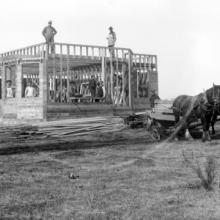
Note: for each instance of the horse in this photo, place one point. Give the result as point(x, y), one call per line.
point(213, 96)
point(192, 108)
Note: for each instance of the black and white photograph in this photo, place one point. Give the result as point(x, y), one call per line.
point(110, 110)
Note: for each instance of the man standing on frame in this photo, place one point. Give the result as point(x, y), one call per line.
point(111, 42)
point(49, 32)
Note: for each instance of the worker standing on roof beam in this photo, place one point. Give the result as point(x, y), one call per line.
point(49, 32)
point(111, 42)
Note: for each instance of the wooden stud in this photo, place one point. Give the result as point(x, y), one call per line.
point(129, 81)
point(18, 80)
point(92, 52)
point(117, 86)
point(123, 83)
point(68, 71)
point(74, 50)
point(80, 50)
point(87, 52)
point(140, 72)
point(54, 76)
point(111, 79)
point(61, 71)
point(3, 81)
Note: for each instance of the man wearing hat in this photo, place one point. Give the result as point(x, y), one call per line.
point(111, 41)
point(49, 32)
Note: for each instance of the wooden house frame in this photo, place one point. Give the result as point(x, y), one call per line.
point(127, 78)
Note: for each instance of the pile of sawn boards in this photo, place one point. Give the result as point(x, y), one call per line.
point(63, 128)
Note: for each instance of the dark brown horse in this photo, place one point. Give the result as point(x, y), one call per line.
point(188, 109)
point(213, 96)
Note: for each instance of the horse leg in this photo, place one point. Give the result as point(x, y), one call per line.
point(208, 121)
point(213, 128)
point(205, 127)
point(177, 118)
point(213, 120)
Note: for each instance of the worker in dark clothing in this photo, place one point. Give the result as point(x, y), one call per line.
point(99, 92)
point(92, 86)
point(153, 98)
point(49, 32)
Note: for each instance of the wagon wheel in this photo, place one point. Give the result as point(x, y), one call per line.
point(154, 131)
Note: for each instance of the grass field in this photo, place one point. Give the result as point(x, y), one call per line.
point(124, 180)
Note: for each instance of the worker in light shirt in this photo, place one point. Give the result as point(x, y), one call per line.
point(30, 90)
point(111, 41)
point(9, 90)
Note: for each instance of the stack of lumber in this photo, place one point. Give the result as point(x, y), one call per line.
point(60, 129)
point(80, 127)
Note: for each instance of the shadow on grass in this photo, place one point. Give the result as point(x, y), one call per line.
point(62, 145)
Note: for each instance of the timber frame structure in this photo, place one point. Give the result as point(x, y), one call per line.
point(127, 78)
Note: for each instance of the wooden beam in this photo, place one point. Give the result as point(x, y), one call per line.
point(68, 71)
point(3, 81)
point(54, 76)
point(61, 70)
point(18, 81)
point(117, 91)
point(92, 52)
point(43, 86)
point(111, 79)
point(87, 51)
point(80, 50)
point(138, 77)
point(123, 82)
point(129, 80)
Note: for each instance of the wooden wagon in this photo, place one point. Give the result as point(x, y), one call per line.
point(161, 123)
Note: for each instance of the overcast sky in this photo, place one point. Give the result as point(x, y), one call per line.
point(185, 34)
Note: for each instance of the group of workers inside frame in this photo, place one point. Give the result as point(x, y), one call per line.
point(78, 91)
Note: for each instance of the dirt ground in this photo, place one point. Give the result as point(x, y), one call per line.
point(134, 179)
